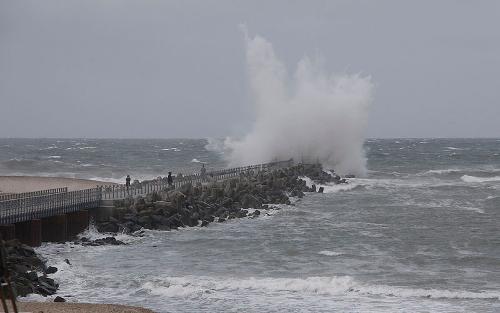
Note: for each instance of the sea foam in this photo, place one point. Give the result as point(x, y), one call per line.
point(474, 179)
point(190, 286)
point(312, 117)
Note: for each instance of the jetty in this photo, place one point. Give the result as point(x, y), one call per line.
point(58, 215)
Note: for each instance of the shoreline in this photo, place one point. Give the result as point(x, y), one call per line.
point(75, 307)
point(195, 205)
point(20, 184)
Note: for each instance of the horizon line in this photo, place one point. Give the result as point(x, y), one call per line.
point(206, 138)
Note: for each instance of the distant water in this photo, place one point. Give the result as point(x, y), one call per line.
point(421, 233)
point(104, 159)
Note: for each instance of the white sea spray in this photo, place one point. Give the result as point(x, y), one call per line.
point(312, 116)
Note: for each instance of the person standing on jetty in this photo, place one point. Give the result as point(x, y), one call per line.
point(127, 182)
point(203, 171)
point(170, 180)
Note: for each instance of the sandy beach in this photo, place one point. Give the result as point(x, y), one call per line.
point(17, 184)
point(52, 307)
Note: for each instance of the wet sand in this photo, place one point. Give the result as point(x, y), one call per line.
point(17, 184)
point(52, 307)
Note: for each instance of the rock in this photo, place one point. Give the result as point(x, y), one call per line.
point(32, 276)
point(51, 270)
point(162, 204)
point(204, 223)
point(103, 241)
point(23, 290)
point(59, 299)
point(67, 261)
point(321, 189)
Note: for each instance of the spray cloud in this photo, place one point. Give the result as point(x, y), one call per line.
point(310, 117)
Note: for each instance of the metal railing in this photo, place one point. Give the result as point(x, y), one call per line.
point(45, 203)
point(36, 207)
point(114, 192)
point(32, 194)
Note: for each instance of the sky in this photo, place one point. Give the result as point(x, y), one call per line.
point(172, 69)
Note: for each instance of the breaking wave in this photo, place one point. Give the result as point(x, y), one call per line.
point(474, 179)
point(317, 117)
point(189, 286)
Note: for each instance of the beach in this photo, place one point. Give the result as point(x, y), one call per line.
point(53, 307)
point(18, 184)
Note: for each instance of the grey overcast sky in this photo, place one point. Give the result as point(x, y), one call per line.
point(115, 68)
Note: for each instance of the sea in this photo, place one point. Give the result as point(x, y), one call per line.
point(419, 233)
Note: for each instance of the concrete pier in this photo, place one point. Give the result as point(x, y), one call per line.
point(55, 228)
point(30, 232)
point(77, 222)
point(48, 215)
point(8, 231)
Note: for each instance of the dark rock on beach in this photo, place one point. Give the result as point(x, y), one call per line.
point(99, 242)
point(24, 266)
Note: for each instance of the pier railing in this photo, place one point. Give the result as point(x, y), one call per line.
point(35, 205)
point(11, 196)
point(112, 192)
point(45, 205)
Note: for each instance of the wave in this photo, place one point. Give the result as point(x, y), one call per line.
point(330, 253)
point(439, 172)
point(474, 179)
point(454, 148)
point(49, 148)
point(171, 149)
point(93, 234)
point(190, 286)
point(477, 210)
point(463, 173)
point(331, 188)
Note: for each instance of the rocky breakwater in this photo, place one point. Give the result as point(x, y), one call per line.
point(245, 196)
point(27, 271)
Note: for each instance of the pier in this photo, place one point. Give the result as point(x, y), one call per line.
point(58, 215)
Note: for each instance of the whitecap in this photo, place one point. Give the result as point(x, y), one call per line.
point(190, 286)
point(330, 188)
point(475, 179)
point(330, 253)
point(439, 172)
point(477, 210)
point(171, 149)
point(92, 233)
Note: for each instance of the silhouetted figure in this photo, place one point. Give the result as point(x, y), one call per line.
point(170, 179)
point(127, 182)
point(203, 171)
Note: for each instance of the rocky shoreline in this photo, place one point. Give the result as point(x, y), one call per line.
point(27, 271)
point(202, 204)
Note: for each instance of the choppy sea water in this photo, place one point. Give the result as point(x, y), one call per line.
point(420, 233)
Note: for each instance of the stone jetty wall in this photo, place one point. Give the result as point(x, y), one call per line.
point(215, 202)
